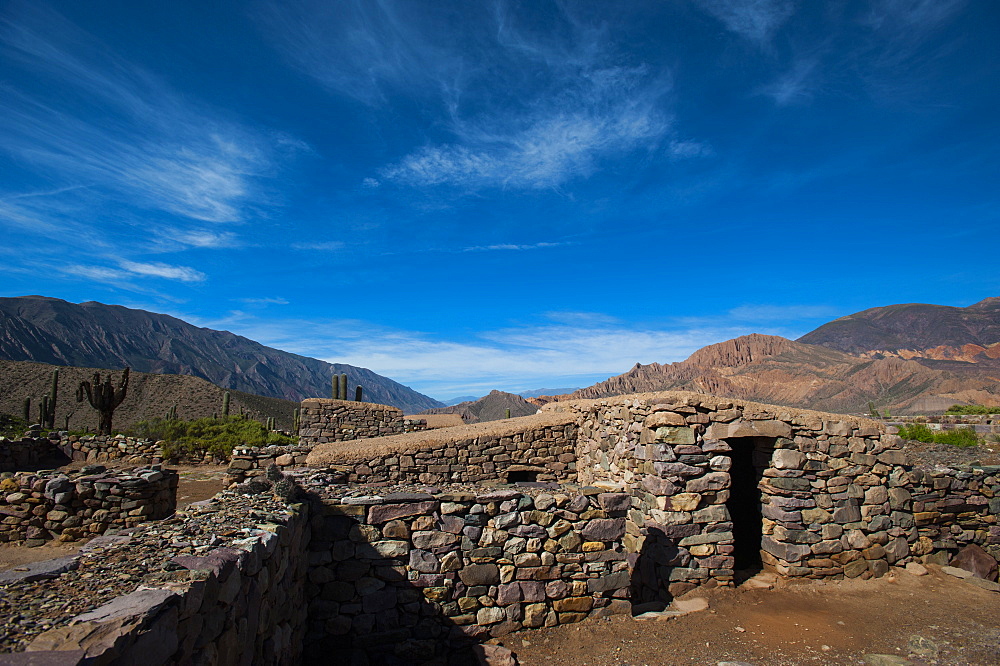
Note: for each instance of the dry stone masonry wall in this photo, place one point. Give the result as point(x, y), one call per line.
point(324, 420)
point(414, 576)
point(535, 450)
point(220, 583)
point(39, 507)
point(821, 481)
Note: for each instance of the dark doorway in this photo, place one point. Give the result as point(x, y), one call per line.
point(521, 476)
point(750, 456)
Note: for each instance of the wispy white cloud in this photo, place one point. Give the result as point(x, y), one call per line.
point(794, 86)
point(151, 147)
point(756, 20)
point(686, 149)
point(264, 301)
point(318, 246)
point(564, 348)
point(919, 15)
point(497, 128)
point(510, 247)
point(97, 273)
point(161, 270)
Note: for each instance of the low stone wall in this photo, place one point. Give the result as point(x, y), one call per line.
point(102, 448)
point(414, 576)
point(951, 508)
point(39, 507)
point(324, 420)
point(250, 462)
point(532, 448)
point(29, 453)
point(221, 584)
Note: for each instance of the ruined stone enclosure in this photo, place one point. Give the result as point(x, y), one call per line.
point(407, 548)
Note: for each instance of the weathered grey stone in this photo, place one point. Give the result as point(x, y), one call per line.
point(480, 574)
point(386, 512)
point(787, 459)
point(424, 561)
point(709, 482)
point(785, 551)
point(604, 529)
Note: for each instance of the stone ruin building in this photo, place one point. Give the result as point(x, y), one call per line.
point(380, 542)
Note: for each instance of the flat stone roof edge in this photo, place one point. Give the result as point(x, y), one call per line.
point(358, 450)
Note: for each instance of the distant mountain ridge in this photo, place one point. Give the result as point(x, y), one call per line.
point(91, 334)
point(492, 407)
point(906, 358)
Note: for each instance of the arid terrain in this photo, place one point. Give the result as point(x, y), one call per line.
point(933, 619)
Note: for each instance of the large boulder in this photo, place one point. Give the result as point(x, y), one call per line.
point(978, 561)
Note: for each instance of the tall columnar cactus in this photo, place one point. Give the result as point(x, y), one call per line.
point(295, 419)
point(335, 387)
point(50, 411)
point(225, 404)
point(104, 397)
point(43, 410)
point(358, 394)
point(26, 409)
point(343, 387)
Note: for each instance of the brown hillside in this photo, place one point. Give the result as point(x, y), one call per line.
point(149, 396)
point(778, 371)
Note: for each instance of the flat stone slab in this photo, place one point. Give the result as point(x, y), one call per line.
point(40, 570)
point(48, 658)
point(956, 572)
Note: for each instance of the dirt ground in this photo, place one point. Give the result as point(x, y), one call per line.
point(935, 619)
point(196, 483)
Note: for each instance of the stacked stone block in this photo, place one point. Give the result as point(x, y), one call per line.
point(950, 508)
point(322, 420)
point(418, 575)
point(28, 453)
point(824, 487)
point(547, 453)
point(39, 507)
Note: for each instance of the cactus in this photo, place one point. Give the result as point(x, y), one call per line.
point(172, 413)
point(357, 394)
point(225, 404)
point(26, 409)
point(43, 410)
point(104, 397)
point(295, 419)
point(343, 387)
point(50, 409)
point(335, 388)
point(508, 413)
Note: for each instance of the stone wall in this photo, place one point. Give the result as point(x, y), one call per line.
point(414, 576)
point(29, 453)
point(822, 481)
point(104, 448)
point(950, 508)
point(223, 584)
point(323, 420)
point(40, 507)
point(532, 448)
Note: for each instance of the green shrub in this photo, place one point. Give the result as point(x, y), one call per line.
point(960, 437)
point(216, 436)
point(972, 409)
point(916, 431)
point(11, 426)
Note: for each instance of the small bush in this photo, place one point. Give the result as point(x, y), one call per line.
point(972, 409)
point(12, 427)
point(216, 436)
point(916, 431)
point(960, 437)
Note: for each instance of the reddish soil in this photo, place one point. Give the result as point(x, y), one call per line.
point(804, 623)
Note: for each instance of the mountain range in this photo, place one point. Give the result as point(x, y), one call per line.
point(904, 358)
point(94, 335)
point(492, 407)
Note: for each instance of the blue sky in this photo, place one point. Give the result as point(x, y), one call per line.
point(474, 195)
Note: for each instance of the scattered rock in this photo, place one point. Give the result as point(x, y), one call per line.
point(978, 561)
point(956, 572)
point(690, 605)
point(916, 569)
point(885, 660)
